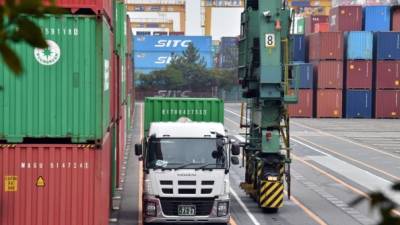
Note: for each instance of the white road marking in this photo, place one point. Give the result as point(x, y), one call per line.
point(244, 207)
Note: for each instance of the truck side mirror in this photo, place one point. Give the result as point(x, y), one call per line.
point(138, 149)
point(235, 149)
point(235, 160)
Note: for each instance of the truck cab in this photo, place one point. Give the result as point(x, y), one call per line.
point(186, 172)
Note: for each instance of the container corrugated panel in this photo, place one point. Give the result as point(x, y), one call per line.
point(328, 74)
point(298, 45)
point(160, 60)
point(49, 184)
point(377, 18)
point(387, 104)
point(121, 143)
point(396, 19)
point(120, 27)
point(171, 109)
point(99, 7)
point(324, 46)
point(329, 104)
point(129, 35)
point(359, 74)
point(388, 74)
point(358, 104)
point(123, 85)
point(64, 91)
point(228, 42)
point(360, 45)
point(387, 45)
point(306, 75)
point(346, 18)
point(304, 106)
point(171, 43)
point(310, 22)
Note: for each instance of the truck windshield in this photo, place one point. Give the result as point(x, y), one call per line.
point(183, 153)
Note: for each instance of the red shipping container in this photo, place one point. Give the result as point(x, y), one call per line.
point(98, 7)
point(326, 46)
point(396, 19)
point(388, 74)
point(310, 22)
point(321, 27)
point(54, 184)
point(328, 74)
point(304, 107)
point(121, 143)
point(346, 18)
point(329, 103)
point(387, 104)
point(359, 74)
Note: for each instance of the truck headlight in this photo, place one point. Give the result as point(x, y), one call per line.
point(222, 208)
point(150, 208)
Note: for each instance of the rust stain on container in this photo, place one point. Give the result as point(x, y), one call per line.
point(304, 107)
point(388, 74)
point(346, 18)
point(54, 184)
point(328, 74)
point(329, 103)
point(387, 104)
point(326, 46)
point(359, 74)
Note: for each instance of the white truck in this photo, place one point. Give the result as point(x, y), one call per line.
point(186, 163)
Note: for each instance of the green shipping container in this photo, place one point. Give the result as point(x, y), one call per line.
point(123, 78)
point(120, 27)
point(171, 109)
point(300, 26)
point(64, 91)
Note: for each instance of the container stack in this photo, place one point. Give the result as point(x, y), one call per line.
point(326, 54)
point(156, 52)
point(387, 81)
point(358, 75)
point(228, 53)
point(60, 118)
point(306, 81)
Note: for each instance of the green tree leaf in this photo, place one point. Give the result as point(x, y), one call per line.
point(10, 58)
point(31, 33)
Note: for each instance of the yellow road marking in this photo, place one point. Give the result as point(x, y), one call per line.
point(312, 215)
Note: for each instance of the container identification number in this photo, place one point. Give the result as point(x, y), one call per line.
point(270, 40)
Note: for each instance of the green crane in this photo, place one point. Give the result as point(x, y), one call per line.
point(265, 75)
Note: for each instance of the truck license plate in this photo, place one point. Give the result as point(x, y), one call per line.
point(186, 210)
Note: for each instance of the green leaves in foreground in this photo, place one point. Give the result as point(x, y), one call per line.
point(16, 26)
point(388, 209)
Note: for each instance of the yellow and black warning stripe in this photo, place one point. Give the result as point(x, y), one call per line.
point(87, 146)
point(271, 194)
point(8, 145)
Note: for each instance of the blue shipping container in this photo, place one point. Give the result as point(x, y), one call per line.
point(358, 104)
point(171, 43)
point(305, 73)
point(298, 47)
point(360, 45)
point(228, 42)
point(377, 18)
point(160, 60)
point(387, 45)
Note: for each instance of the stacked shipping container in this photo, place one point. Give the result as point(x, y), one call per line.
point(156, 52)
point(59, 120)
point(326, 54)
point(358, 85)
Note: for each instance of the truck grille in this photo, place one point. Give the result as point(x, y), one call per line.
point(203, 205)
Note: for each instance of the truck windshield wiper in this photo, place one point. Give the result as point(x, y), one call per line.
point(185, 165)
point(210, 164)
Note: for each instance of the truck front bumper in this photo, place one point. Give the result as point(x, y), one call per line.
point(161, 217)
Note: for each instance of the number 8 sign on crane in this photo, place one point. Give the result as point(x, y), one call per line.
point(270, 40)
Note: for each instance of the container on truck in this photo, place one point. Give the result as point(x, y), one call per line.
point(186, 155)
